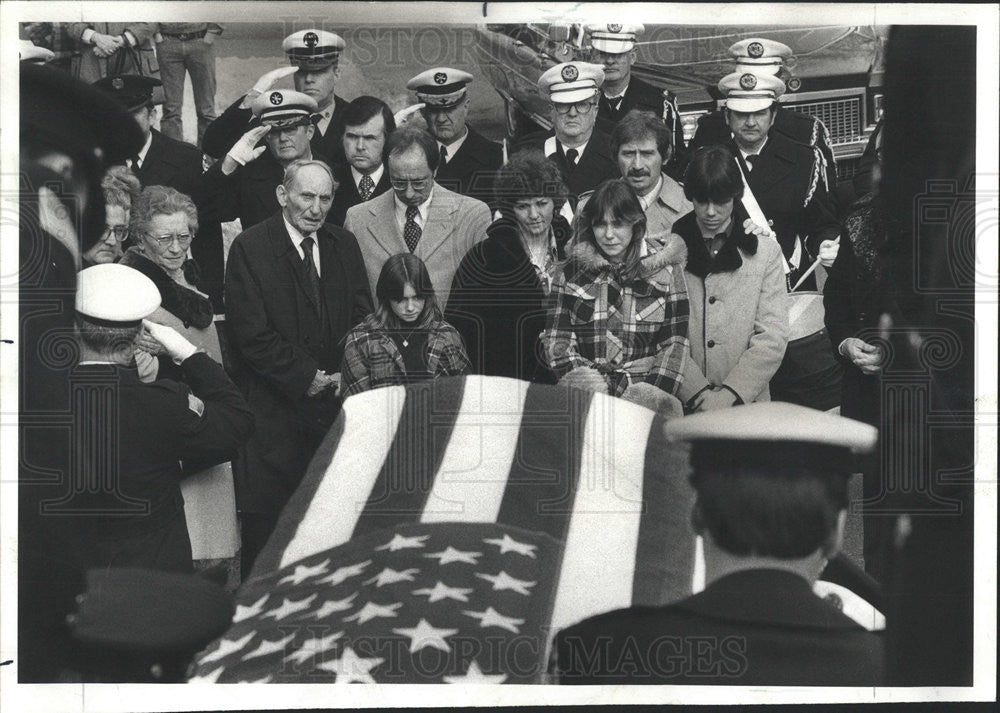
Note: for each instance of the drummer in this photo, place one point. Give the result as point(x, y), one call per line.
point(738, 325)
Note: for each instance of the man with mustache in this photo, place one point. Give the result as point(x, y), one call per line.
point(242, 185)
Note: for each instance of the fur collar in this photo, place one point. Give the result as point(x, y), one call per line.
point(729, 259)
point(656, 267)
point(190, 307)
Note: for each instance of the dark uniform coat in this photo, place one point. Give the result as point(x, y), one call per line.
point(751, 628)
point(347, 195)
point(593, 168)
point(178, 164)
point(280, 339)
point(248, 193)
point(497, 304)
point(160, 424)
point(471, 171)
point(226, 130)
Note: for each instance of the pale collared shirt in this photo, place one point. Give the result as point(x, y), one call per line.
point(454, 146)
point(616, 98)
point(324, 118)
point(744, 154)
point(552, 148)
point(142, 152)
point(297, 239)
point(647, 200)
point(422, 210)
point(376, 175)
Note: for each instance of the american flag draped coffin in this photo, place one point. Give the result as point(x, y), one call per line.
point(444, 531)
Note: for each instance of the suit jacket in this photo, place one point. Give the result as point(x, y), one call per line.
point(454, 224)
point(472, 170)
point(750, 628)
point(347, 195)
point(279, 339)
point(178, 164)
point(593, 168)
point(227, 129)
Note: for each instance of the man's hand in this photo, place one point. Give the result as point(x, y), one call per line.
point(245, 150)
point(321, 382)
point(828, 252)
point(146, 343)
point(714, 399)
point(209, 38)
point(760, 231)
point(265, 82)
point(403, 115)
point(176, 346)
point(865, 356)
point(106, 45)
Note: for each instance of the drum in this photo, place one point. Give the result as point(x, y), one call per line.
point(810, 374)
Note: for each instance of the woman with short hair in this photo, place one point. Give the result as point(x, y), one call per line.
point(498, 293)
point(736, 286)
point(618, 312)
point(120, 187)
point(405, 340)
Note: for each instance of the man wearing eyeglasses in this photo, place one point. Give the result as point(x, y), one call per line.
point(417, 215)
point(581, 151)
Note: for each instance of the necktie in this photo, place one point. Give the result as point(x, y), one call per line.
point(571, 157)
point(312, 276)
point(750, 161)
point(135, 163)
point(366, 187)
point(444, 155)
point(411, 231)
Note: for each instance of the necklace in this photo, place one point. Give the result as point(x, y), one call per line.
point(406, 339)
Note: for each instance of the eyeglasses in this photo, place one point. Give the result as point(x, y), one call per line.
point(401, 184)
point(119, 231)
point(164, 241)
point(583, 107)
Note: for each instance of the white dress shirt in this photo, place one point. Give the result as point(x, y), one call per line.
point(142, 153)
point(297, 239)
point(454, 146)
point(422, 210)
point(376, 175)
point(647, 200)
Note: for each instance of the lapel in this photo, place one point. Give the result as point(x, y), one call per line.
point(771, 166)
point(440, 222)
point(330, 265)
point(382, 225)
point(285, 253)
point(592, 154)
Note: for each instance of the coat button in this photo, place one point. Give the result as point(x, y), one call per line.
point(711, 300)
point(711, 343)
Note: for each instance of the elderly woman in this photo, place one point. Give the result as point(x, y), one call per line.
point(405, 339)
point(162, 225)
point(121, 188)
point(736, 286)
point(618, 312)
point(498, 294)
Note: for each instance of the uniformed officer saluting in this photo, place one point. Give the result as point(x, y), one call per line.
point(771, 484)
point(315, 59)
point(157, 425)
point(468, 160)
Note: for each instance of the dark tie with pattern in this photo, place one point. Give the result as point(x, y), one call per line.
point(411, 231)
point(366, 187)
point(312, 276)
point(444, 155)
point(571, 155)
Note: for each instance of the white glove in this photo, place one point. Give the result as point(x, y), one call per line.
point(828, 252)
point(176, 346)
point(403, 115)
point(760, 231)
point(244, 151)
point(265, 82)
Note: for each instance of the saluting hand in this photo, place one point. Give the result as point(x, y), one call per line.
point(245, 150)
point(265, 82)
point(176, 346)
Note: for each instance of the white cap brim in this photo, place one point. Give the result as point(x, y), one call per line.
point(748, 105)
point(612, 46)
point(566, 94)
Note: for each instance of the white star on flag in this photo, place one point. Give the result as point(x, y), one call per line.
point(423, 635)
point(391, 576)
point(450, 554)
point(254, 609)
point(343, 573)
point(509, 544)
point(443, 591)
point(371, 610)
point(227, 647)
point(399, 542)
point(288, 607)
point(311, 647)
point(491, 617)
point(269, 647)
point(475, 675)
point(302, 573)
point(209, 678)
point(503, 581)
point(351, 668)
point(335, 605)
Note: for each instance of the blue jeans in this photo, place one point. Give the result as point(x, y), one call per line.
point(197, 58)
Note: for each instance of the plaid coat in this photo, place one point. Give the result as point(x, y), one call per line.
point(371, 358)
point(634, 331)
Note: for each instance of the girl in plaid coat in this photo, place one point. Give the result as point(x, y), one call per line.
point(405, 339)
point(618, 311)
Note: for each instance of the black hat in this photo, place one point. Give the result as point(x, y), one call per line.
point(131, 90)
point(72, 115)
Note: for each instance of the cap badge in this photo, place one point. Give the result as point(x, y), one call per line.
point(794, 84)
point(118, 83)
point(276, 98)
point(755, 50)
point(614, 28)
point(440, 78)
point(748, 81)
point(310, 39)
point(570, 73)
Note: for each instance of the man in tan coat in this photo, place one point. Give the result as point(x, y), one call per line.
point(417, 215)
